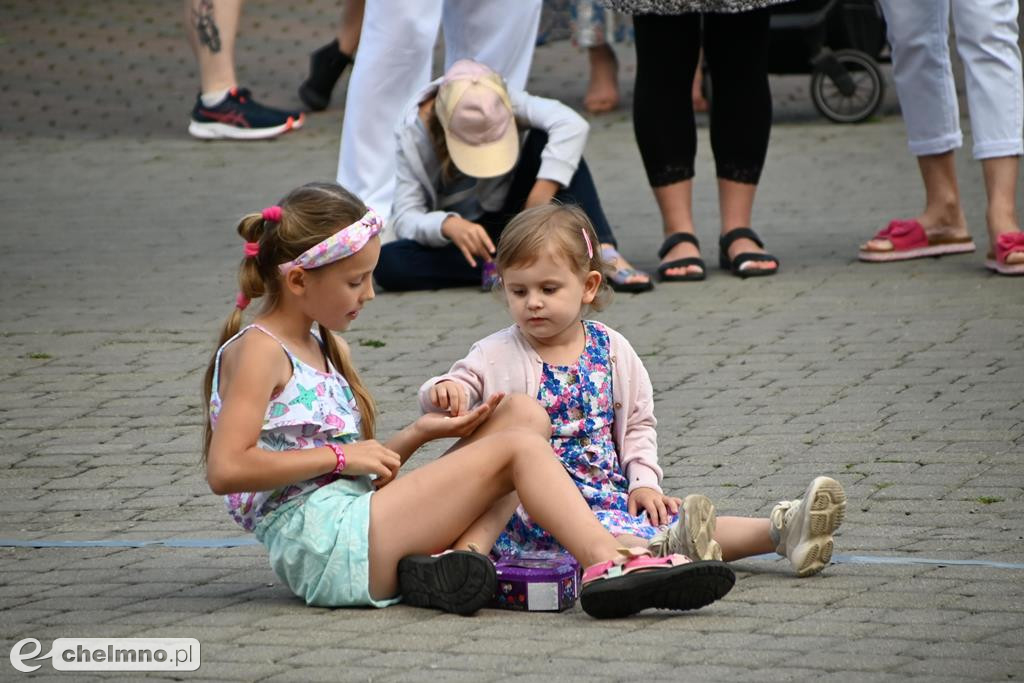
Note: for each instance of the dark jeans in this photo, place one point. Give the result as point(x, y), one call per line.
point(408, 265)
point(667, 50)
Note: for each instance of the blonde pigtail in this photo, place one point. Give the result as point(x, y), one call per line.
point(364, 401)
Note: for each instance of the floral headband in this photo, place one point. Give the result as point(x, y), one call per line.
point(341, 244)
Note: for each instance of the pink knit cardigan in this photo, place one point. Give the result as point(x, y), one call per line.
point(505, 362)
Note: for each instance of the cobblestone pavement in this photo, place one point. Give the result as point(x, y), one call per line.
point(117, 258)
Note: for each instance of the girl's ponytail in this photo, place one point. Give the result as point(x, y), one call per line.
point(250, 286)
point(364, 401)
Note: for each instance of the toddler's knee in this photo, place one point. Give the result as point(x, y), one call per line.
point(525, 413)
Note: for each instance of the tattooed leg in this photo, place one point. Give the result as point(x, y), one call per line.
point(211, 26)
point(206, 28)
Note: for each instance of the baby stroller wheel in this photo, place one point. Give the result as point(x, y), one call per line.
point(847, 86)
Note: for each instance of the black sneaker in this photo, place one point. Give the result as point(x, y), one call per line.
point(455, 581)
point(325, 68)
point(239, 117)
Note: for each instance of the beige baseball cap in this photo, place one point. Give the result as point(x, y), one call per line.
point(475, 112)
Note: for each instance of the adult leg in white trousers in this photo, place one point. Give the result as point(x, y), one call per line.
point(987, 42)
point(395, 46)
point(498, 33)
point(986, 38)
point(395, 49)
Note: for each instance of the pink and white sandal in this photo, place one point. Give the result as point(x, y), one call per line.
point(910, 241)
point(636, 580)
point(1006, 244)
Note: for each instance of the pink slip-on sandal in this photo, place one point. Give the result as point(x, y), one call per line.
point(910, 241)
point(1006, 244)
point(636, 580)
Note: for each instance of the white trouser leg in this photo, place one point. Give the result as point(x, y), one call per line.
point(394, 61)
point(498, 33)
point(986, 38)
point(919, 36)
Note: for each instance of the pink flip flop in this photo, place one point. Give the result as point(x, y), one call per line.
point(909, 241)
point(1006, 244)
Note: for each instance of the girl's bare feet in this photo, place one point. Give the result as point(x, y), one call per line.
point(603, 90)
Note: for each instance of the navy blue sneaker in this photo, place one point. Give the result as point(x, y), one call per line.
point(239, 117)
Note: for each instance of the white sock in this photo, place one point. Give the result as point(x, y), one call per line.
point(212, 99)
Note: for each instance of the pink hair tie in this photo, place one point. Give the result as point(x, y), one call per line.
point(241, 301)
point(252, 249)
point(272, 213)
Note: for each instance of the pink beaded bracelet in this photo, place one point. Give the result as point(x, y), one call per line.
point(340, 452)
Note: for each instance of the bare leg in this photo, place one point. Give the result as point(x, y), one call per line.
point(351, 26)
point(629, 541)
point(743, 536)
point(484, 532)
point(515, 410)
point(603, 90)
point(943, 216)
point(736, 206)
point(432, 506)
point(1001, 175)
point(697, 92)
point(211, 26)
point(676, 204)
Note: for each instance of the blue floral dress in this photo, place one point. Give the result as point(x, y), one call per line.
point(580, 403)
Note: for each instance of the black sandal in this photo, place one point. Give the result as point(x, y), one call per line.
point(735, 265)
point(455, 581)
point(666, 246)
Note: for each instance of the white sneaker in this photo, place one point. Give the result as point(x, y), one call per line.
point(803, 528)
point(692, 533)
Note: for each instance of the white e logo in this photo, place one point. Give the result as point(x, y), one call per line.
point(17, 657)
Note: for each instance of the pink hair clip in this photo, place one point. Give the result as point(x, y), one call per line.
point(272, 213)
point(241, 301)
point(586, 238)
point(252, 249)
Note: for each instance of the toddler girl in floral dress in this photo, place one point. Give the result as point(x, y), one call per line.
point(599, 398)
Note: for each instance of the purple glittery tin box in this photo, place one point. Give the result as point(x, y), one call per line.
point(537, 581)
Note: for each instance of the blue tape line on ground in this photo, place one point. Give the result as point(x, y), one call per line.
point(168, 543)
point(904, 560)
point(249, 540)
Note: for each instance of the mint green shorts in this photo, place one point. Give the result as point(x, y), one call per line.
point(319, 544)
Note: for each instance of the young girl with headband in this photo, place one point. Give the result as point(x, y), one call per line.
point(290, 443)
point(599, 399)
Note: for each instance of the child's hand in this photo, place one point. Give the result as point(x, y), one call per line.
point(658, 506)
point(371, 457)
point(471, 238)
point(439, 426)
point(450, 396)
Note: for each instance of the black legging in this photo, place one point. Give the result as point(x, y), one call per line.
point(667, 50)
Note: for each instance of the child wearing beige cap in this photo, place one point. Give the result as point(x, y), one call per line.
point(471, 155)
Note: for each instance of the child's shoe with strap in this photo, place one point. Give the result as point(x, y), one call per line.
point(692, 534)
point(802, 529)
point(637, 580)
point(456, 581)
